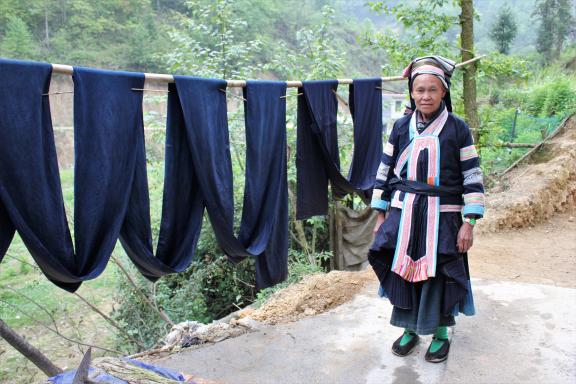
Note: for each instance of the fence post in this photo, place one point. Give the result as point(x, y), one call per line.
point(513, 133)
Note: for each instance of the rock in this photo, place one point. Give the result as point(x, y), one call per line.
point(179, 330)
point(250, 323)
point(188, 341)
point(309, 312)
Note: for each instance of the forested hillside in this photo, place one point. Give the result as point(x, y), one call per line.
point(140, 34)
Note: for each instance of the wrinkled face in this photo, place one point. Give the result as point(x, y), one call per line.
point(427, 92)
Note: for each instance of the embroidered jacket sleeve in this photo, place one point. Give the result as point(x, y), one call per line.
point(382, 192)
point(472, 175)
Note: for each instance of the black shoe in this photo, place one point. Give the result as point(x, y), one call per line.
point(406, 349)
point(441, 354)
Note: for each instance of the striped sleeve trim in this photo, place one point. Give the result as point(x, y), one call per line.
point(389, 149)
point(468, 153)
point(473, 204)
point(475, 198)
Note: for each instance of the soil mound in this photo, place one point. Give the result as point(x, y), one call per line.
point(313, 295)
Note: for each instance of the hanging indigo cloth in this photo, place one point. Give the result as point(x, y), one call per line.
point(30, 191)
point(108, 135)
point(265, 209)
point(109, 129)
point(30, 195)
point(264, 224)
point(316, 144)
point(365, 102)
point(318, 160)
point(182, 208)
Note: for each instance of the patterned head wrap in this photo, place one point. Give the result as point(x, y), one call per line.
point(438, 66)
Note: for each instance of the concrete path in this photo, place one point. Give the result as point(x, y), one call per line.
point(523, 333)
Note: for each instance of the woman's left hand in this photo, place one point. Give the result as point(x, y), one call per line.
point(465, 237)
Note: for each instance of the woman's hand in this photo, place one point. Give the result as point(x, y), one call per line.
point(379, 220)
point(465, 237)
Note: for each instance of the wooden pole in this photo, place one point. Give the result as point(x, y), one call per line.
point(516, 145)
point(163, 78)
point(28, 350)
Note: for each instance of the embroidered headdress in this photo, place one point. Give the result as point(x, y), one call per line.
point(438, 66)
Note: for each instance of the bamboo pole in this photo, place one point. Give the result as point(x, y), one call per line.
point(164, 78)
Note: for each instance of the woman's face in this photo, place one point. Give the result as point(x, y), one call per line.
point(427, 92)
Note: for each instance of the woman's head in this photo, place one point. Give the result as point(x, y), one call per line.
point(427, 92)
point(433, 73)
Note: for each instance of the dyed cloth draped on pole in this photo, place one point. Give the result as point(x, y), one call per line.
point(30, 191)
point(318, 159)
point(111, 191)
point(264, 223)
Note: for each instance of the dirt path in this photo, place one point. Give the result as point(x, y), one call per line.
point(544, 254)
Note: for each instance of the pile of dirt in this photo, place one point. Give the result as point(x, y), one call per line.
point(313, 295)
point(538, 188)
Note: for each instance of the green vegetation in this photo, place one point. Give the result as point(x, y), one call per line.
point(525, 110)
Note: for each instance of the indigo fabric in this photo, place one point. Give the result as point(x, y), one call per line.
point(182, 207)
point(107, 118)
point(30, 195)
point(108, 135)
point(265, 210)
point(264, 223)
point(365, 102)
point(111, 190)
point(317, 158)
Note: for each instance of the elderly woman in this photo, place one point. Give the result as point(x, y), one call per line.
point(429, 193)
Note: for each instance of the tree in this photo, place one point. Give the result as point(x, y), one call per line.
point(209, 43)
point(504, 30)
point(18, 41)
point(425, 31)
point(469, 77)
point(556, 20)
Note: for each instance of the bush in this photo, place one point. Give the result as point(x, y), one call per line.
point(210, 288)
point(555, 98)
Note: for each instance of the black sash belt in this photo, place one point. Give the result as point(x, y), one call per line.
point(420, 188)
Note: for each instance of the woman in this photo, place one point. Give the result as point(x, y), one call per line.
point(429, 193)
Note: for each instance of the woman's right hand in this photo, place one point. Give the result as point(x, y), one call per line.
point(379, 220)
